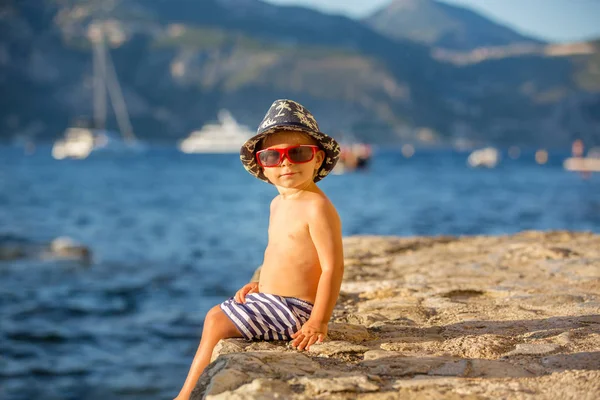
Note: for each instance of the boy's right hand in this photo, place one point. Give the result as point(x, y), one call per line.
point(240, 296)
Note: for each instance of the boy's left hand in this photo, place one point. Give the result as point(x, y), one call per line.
point(310, 333)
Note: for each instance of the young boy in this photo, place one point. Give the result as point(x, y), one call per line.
point(303, 265)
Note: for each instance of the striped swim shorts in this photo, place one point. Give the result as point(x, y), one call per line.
point(267, 316)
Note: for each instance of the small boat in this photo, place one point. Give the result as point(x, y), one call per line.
point(487, 158)
point(354, 154)
point(353, 157)
point(579, 163)
point(226, 136)
point(77, 143)
point(582, 164)
point(80, 142)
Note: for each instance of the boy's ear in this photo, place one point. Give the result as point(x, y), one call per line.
point(319, 157)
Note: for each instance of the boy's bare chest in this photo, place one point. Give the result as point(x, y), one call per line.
point(288, 223)
point(290, 247)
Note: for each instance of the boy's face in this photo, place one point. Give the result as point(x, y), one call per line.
point(288, 174)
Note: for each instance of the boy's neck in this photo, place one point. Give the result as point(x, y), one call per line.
point(293, 193)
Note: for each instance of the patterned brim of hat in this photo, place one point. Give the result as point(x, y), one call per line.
point(287, 115)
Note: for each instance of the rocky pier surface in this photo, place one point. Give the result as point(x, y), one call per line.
point(514, 317)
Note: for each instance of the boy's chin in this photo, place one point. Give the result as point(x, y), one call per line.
point(293, 182)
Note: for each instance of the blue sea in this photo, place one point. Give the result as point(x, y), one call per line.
point(174, 234)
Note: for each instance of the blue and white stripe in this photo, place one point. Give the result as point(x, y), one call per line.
point(267, 316)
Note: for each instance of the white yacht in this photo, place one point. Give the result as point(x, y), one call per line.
point(79, 142)
point(226, 136)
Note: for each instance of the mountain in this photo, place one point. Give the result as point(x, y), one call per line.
point(438, 24)
point(180, 61)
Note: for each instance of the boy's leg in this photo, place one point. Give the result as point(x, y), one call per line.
point(217, 326)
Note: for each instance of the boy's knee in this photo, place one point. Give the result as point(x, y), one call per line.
point(218, 324)
point(213, 315)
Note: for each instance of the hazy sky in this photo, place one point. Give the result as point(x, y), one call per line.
point(552, 20)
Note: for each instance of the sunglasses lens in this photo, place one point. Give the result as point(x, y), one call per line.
point(269, 158)
point(300, 154)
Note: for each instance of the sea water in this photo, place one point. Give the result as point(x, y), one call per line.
point(171, 235)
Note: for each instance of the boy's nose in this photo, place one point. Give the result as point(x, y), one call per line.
point(285, 160)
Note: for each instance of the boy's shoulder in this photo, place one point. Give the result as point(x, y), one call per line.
point(319, 206)
point(318, 199)
point(309, 201)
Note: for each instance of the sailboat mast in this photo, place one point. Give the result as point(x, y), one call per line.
point(106, 78)
point(96, 36)
point(116, 96)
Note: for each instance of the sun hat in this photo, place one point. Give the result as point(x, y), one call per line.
point(288, 115)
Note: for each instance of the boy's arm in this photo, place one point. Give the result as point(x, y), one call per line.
point(326, 232)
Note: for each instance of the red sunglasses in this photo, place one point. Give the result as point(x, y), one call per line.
point(299, 154)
